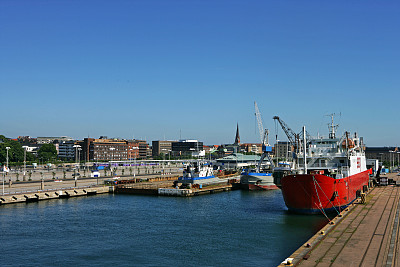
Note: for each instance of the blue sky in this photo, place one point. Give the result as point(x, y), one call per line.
point(164, 69)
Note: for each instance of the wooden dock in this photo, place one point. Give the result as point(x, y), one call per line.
point(365, 234)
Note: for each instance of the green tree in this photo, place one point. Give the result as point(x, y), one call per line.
point(16, 152)
point(47, 152)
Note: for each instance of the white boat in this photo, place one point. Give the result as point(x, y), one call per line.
point(198, 173)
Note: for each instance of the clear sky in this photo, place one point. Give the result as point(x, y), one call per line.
point(163, 69)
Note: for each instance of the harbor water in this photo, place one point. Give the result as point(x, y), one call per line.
point(235, 228)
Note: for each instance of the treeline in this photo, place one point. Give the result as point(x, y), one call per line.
point(46, 152)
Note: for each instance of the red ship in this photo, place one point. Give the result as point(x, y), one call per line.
point(331, 173)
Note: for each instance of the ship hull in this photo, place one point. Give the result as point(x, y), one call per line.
point(316, 193)
point(257, 181)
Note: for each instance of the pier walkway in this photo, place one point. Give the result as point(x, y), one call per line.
point(366, 235)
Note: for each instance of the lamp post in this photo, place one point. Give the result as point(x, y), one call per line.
point(390, 160)
point(25, 148)
point(76, 161)
point(112, 157)
point(7, 148)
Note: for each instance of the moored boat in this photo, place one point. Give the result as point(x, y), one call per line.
point(198, 173)
point(332, 175)
point(253, 180)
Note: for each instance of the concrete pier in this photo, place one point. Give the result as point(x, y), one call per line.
point(53, 194)
point(365, 234)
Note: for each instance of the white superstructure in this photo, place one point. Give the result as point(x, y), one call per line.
point(337, 157)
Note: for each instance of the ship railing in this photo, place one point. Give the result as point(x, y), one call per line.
point(323, 165)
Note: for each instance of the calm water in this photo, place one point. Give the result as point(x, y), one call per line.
point(226, 229)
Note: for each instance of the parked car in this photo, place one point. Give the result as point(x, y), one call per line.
point(77, 174)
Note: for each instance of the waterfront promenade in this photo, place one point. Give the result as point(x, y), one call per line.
point(366, 235)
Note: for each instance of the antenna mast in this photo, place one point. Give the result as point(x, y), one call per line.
point(332, 127)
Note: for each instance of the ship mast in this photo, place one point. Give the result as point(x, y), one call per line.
point(332, 127)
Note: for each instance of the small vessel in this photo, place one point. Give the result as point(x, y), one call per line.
point(251, 179)
point(260, 178)
point(198, 173)
point(331, 173)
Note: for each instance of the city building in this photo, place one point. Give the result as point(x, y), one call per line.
point(251, 147)
point(144, 150)
point(161, 147)
point(186, 147)
point(284, 150)
point(384, 154)
point(133, 149)
point(66, 150)
point(104, 149)
point(50, 140)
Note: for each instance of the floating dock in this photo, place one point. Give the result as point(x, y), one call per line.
point(364, 234)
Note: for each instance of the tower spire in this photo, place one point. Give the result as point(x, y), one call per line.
point(237, 138)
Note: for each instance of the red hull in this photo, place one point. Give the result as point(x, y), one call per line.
point(314, 193)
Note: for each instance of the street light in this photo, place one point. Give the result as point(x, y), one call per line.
point(390, 160)
point(7, 148)
point(25, 148)
point(76, 161)
point(112, 157)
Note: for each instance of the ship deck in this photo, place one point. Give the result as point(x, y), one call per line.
point(365, 235)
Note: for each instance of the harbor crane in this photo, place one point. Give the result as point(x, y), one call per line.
point(264, 133)
point(294, 138)
point(264, 136)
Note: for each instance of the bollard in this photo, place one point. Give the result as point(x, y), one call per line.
point(362, 198)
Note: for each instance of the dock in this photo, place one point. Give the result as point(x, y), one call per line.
point(364, 234)
point(165, 187)
point(40, 195)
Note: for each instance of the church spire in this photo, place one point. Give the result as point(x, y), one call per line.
point(237, 138)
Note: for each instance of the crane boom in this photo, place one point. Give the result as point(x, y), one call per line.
point(291, 135)
point(261, 130)
point(264, 133)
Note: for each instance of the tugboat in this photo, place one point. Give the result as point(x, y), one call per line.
point(198, 173)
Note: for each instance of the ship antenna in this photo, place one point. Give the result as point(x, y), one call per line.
point(332, 127)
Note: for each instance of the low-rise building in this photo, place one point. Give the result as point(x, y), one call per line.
point(50, 140)
point(283, 150)
point(162, 147)
point(251, 148)
point(384, 154)
point(186, 147)
point(66, 150)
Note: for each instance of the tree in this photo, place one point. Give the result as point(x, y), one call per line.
point(16, 152)
point(47, 152)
